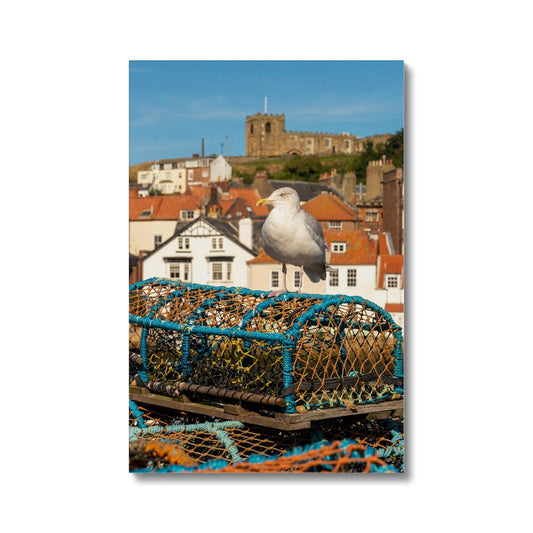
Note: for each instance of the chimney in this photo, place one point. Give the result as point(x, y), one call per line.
point(246, 232)
point(203, 151)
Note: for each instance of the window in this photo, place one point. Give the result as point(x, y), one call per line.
point(180, 271)
point(297, 279)
point(174, 270)
point(205, 173)
point(333, 278)
point(338, 247)
point(187, 214)
point(268, 127)
point(352, 277)
point(274, 279)
point(335, 224)
point(371, 216)
point(183, 243)
point(190, 174)
point(158, 239)
point(217, 271)
point(327, 143)
point(346, 146)
point(392, 281)
point(217, 243)
point(228, 271)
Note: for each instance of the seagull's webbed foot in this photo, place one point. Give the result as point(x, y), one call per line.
point(273, 294)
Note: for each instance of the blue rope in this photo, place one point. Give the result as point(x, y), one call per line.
point(218, 464)
point(137, 414)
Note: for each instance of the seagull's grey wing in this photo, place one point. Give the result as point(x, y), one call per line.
point(315, 230)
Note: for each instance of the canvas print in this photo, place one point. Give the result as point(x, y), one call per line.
point(266, 267)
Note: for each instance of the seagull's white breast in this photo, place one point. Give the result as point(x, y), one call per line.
point(286, 238)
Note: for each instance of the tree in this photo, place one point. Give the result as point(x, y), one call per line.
point(394, 149)
point(301, 168)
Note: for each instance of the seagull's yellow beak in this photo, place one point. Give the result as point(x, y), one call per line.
point(263, 201)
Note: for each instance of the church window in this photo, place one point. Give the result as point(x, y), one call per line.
point(268, 127)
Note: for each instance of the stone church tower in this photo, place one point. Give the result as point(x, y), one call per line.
point(266, 136)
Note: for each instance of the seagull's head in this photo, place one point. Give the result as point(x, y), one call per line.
point(282, 197)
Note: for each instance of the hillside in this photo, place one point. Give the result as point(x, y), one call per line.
point(308, 168)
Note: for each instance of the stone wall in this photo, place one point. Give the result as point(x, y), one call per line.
point(266, 136)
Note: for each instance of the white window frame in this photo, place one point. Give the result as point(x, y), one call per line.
point(296, 279)
point(275, 279)
point(338, 247)
point(351, 277)
point(223, 271)
point(187, 214)
point(181, 271)
point(371, 216)
point(218, 272)
point(333, 279)
point(392, 281)
point(335, 224)
point(158, 239)
point(217, 243)
point(184, 243)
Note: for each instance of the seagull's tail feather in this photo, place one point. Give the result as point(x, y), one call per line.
point(315, 272)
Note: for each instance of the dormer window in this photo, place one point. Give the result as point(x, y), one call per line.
point(338, 247)
point(335, 224)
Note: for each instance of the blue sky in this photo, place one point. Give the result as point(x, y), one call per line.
point(174, 104)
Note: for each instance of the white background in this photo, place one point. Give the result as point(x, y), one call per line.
point(64, 99)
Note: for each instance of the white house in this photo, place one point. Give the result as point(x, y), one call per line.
point(206, 251)
point(165, 176)
point(219, 170)
point(174, 175)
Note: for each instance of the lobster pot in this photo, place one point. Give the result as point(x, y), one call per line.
point(292, 353)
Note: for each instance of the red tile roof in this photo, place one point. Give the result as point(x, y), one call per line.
point(394, 308)
point(164, 207)
point(261, 257)
point(389, 264)
point(329, 207)
point(359, 249)
point(250, 197)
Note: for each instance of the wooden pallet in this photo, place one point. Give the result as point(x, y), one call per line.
point(282, 421)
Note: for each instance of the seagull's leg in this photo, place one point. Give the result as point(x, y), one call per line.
point(273, 294)
point(301, 280)
point(284, 270)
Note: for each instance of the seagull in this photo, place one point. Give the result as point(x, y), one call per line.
point(291, 235)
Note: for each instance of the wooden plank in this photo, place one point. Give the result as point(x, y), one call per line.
point(282, 421)
point(335, 412)
point(218, 412)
